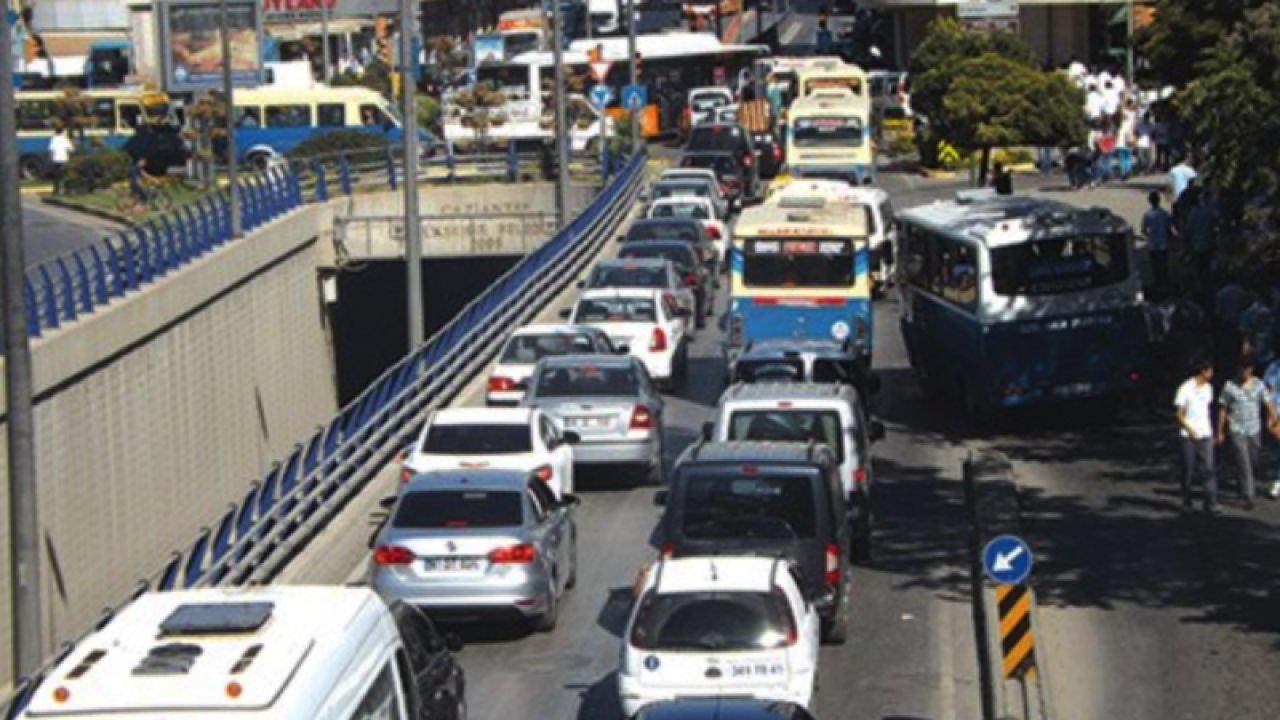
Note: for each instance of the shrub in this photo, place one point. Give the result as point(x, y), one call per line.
point(95, 170)
point(357, 142)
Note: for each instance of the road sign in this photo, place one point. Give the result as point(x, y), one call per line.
point(635, 97)
point(1007, 560)
point(947, 152)
point(1017, 637)
point(987, 10)
point(601, 96)
point(600, 70)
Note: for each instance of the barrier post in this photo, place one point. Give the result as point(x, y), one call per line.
point(322, 191)
point(344, 175)
point(391, 168)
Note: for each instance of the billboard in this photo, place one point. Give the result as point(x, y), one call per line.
point(284, 12)
point(191, 43)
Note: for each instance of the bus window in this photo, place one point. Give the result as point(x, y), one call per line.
point(376, 116)
point(130, 116)
point(248, 117)
point(104, 113)
point(288, 116)
point(504, 78)
point(34, 115)
point(958, 281)
point(827, 132)
point(794, 262)
point(331, 115)
point(1058, 265)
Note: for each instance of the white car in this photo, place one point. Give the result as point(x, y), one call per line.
point(697, 208)
point(640, 273)
point(529, 344)
point(650, 323)
point(719, 626)
point(705, 101)
point(520, 438)
point(685, 173)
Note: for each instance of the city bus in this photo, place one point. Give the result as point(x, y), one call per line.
point(825, 75)
point(1017, 301)
point(114, 113)
point(799, 269)
point(779, 77)
point(829, 135)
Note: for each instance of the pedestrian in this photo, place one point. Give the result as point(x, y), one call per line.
point(1093, 102)
point(1201, 222)
point(1180, 176)
point(1160, 138)
point(1193, 407)
point(1144, 144)
point(1157, 227)
point(1240, 424)
point(60, 149)
point(1125, 138)
point(1002, 180)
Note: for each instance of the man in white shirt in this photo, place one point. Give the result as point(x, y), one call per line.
point(1077, 72)
point(1193, 406)
point(1110, 99)
point(1093, 103)
point(1180, 176)
point(60, 148)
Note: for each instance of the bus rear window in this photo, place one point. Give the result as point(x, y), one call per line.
point(1060, 265)
point(827, 132)
point(799, 262)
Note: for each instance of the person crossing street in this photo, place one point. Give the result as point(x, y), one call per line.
point(1193, 405)
point(1240, 424)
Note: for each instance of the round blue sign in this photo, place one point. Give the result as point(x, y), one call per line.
point(1007, 560)
point(651, 662)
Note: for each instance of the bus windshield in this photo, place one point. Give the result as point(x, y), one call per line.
point(504, 78)
point(1060, 265)
point(799, 262)
point(828, 132)
point(521, 42)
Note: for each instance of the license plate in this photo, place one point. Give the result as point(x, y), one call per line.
point(586, 423)
point(754, 669)
point(452, 564)
point(1073, 389)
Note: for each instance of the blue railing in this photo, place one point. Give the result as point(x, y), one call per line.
point(253, 538)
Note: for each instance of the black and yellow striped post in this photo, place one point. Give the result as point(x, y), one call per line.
point(1017, 639)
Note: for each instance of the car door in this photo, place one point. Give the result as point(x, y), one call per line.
point(561, 452)
point(430, 663)
point(545, 533)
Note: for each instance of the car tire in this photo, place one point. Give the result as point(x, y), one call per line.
point(836, 630)
point(547, 621)
point(572, 581)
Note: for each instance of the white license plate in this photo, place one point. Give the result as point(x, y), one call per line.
point(452, 564)
point(1073, 389)
point(754, 669)
point(586, 423)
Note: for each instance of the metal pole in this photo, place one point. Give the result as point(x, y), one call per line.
point(228, 97)
point(324, 40)
point(24, 524)
point(633, 77)
point(412, 218)
point(1129, 52)
point(562, 130)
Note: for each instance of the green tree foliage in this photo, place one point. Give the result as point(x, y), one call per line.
point(1185, 31)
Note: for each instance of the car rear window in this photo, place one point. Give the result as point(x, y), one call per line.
point(529, 349)
point(587, 381)
point(483, 439)
point(712, 621)
point(627, 277)
point(770, 369)
point(726, 505)
point(681, 210)
point(616, 310)
point(713, 138)
point(680, 255)
point(683, 231)
point(435, 509)
point(789, 426)
point(666, 190)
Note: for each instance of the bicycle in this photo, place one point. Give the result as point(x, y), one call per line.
point(156, 198)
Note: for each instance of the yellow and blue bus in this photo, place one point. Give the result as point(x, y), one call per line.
point(829, 136)
point(800, 269)
point(113, 114)
point(1014, 301)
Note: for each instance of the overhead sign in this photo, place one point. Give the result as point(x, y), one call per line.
point(190, 35)
point(601, 96)
point(290, 11)
point(600, 70)
point(635, 97)
point(987, 10)
point(1007, 560)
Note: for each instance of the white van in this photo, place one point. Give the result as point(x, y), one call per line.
point(278, 653)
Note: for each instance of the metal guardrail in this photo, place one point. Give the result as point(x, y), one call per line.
point(252, 540)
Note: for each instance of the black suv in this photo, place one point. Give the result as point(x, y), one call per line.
point(693, 272)
point(765, 498)
point(730, 138)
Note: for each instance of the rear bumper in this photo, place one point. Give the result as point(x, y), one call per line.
point(526, 597)
point(621, 452)
point(635, 695)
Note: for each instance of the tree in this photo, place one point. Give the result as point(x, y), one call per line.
point(73, 111)
point(1185, 31)
point(935, 63)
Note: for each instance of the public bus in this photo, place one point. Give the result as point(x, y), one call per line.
point(829, 135)
point(114, 114)
point(825, 75)
point(1018, 301)
point(799, 269)
point(778, 75)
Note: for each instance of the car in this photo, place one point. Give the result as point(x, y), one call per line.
point(770, 151)
point(724, 625)
point(684, 229)
point(770, 498)
point(728, 169)
point(726, 114)
point(506, 383)
point(650, 323)
point(883, 241)
point(830, 414)
point(681, 173)
point(518, 438)
point(705, 101)
point(704, 184)
point(807, 360)
point(611, 403)
point(731, 138)
point(478, 544)
point(277, 652)
point(695, 274)
point(723, 708)
point(700, 209)
point(652, 273)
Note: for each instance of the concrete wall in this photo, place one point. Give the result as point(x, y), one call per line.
point(156, 412)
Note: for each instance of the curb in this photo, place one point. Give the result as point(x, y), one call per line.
point(937, 174)
point(95, 212)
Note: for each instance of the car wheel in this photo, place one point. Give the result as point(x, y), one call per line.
point(836, 630)
point(32, 167)
point(573, 569)
point(547, 621)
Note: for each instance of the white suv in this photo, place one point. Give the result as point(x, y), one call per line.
point(719, 626)
point(650, 323)
point(500, 438)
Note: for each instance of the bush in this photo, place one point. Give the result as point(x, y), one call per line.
point(95, 170)
point(356, 142)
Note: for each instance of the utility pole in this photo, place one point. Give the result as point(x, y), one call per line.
point(562, 130)
point(633, 76)
point(324, 40)
point(1129, 52)
point(227, 89)
point(412, 217)
point(24, 524)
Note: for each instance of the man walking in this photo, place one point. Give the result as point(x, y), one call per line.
point(60, 149)
point(1192, 405)
point(1157, 227)
point(1240, 424)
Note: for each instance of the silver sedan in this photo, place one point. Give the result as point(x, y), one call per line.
point(478, 544)
point(610, 402)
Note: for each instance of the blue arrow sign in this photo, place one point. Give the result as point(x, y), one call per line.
point(1007, 560)
point(601, 96)
point(634, 97)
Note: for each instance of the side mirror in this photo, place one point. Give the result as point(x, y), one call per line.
point(876, 431)
point(568, 500)
point(660, 498)
point(570, 437)
point(453, 641)
point(707, 429)
point(565, 313)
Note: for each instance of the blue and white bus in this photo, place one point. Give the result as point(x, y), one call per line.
point(1014, 301)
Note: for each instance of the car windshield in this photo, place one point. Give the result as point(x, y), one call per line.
point(799, 262)
point(479, 439)
point(827, 132)
point(602, 310)
point(587, 381)
point(627, 276)
point(708, 101)
point(529, 349)
point(1060, 265)
point(682, 231)
point(714, 621)
point(436, 509)
point(731, 504)
point(722, 138)
point(789, 426)
point(681, 210)
point(680, 255)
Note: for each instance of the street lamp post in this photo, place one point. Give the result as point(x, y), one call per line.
point(633, 76)
point(562, 131)
point(412, 217)
point(227, 89)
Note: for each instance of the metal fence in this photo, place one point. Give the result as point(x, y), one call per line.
point(252, 539)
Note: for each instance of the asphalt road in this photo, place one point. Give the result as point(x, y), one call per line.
point(49, 232)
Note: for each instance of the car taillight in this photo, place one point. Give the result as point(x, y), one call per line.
point(777, 152)
point(859, 476)
point(735, 330)
point(713, 232)
point(392, 555)
point(501, 384)
point(543, 473)
point(832, 574)
point(1135, 376)
point(666, 550)
point(521, 554)
point(406, 474)
point(641, 418)
point(658, 340)
point(746, 160)
point(690, 279)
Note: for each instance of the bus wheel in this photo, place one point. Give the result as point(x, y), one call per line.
point(32, 167)
point(259, 161)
